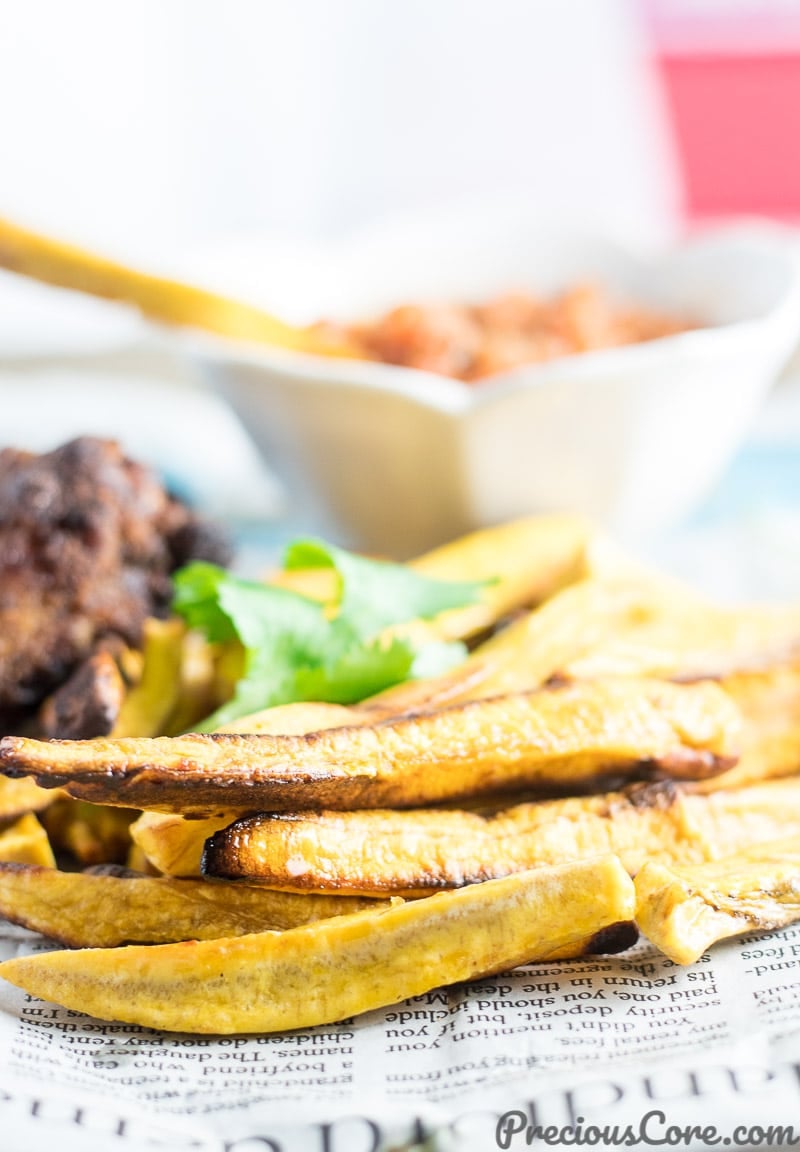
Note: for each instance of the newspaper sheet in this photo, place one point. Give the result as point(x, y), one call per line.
point(628, 1051)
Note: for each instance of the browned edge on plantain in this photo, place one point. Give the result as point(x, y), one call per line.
point(415, 852)
point(565, 737)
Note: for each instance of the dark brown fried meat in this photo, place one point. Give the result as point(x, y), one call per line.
point(88, 539)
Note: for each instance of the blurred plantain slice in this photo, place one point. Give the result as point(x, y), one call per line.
point(20, 796)
point(103, 911)
point(25, 842)
point(196, 695)
point(90, 833)
point(611, 627)
point(567, 737)
point(88, 703)
point(338, 967)
point(685, 637)
point(525, 562)
point(769, 701)
point(383, 852)
point(147, 707)
point(684, 910)
point(527, 652)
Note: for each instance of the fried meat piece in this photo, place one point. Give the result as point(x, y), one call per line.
point(88, 539)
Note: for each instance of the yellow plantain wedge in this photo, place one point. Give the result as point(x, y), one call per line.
point(166, 301)
point(346, 965)
point(524, 562)
point(610, 627)
point(92, 833)
point(769, 701)
point(684, 910)
point(25, 842)
point(103, 911)
point(149, 704)
point(416, 852)
point(174, 845)
point(685, 637)
point(528, 652)
point(567, 737)
point(194, 696)
point(20, 796)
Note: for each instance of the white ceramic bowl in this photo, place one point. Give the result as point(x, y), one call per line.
point(395, 460)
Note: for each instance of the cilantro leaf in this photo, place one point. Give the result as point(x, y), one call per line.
point(295, 651)
point(376, 594)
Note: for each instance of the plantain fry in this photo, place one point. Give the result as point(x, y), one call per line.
point(88, 703)
point(147, 707)
point(173, 845)
point(769, 701)
point(525, 562)
point(684, 910)
point(92, 833)
point(196, 695)
point(608, 627)
point(686, 637)
point(570, 736)
point(20, 796)
point(25, 842)
point(338, 967)
point(167, 301)
point(408, 853)
point(85, 911)
point(295, 719)
point(525, 654)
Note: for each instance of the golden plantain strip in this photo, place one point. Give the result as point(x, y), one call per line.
point(148, 706)
point(526, 561)
point(409, 853)
point(571, 736)
point(684, 910)
point(346, 965)
point(167, 301)
point(769, 701)
point(174, 845)
point(527, 653)
point(20, 796)
point(25, 842)
point(85, 911)
point(686, 637)
point(92, 833)
point(599, 628)
point(195, 695)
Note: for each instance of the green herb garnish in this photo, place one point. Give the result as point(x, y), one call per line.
point(298, 649)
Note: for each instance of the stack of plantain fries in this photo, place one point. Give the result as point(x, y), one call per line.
point(615, 751)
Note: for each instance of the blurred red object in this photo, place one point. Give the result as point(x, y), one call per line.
point(731, 74)
point(737, 124)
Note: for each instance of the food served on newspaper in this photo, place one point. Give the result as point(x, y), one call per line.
point(344, 965)
point(354, 781)
point(472, 341)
